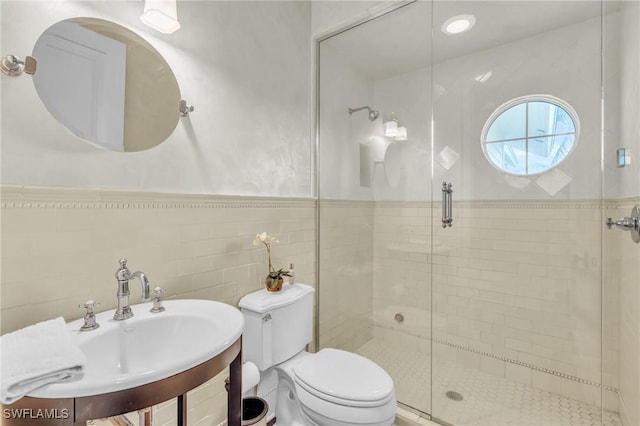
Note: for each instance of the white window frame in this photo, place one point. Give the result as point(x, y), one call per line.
point(526, 100)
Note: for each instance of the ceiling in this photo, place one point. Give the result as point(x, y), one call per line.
point(400, 41)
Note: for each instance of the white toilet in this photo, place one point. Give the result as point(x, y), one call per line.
point(328, 388)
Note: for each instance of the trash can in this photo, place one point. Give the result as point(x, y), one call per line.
point(254, 411)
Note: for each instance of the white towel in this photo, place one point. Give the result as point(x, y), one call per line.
point(37, 355)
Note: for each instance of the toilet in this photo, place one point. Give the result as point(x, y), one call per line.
point(329, 388)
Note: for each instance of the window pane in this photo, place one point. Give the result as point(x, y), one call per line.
point(548, 119)
point(508, 156)
point(530, 137)
point(545, 153)
point(511, 124)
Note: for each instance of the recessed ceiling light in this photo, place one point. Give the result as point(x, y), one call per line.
point(458, 24)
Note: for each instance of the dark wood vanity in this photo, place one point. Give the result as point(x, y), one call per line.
point(77, 411)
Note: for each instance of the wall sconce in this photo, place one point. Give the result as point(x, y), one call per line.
point(161, 15)
point(393, 128)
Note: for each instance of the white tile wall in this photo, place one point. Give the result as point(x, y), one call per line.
point(507, 281)
point(519, 280)
point(346, 273)
point(201, 247)
point(625, 267)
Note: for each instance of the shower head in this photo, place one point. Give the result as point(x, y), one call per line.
point(373, 113)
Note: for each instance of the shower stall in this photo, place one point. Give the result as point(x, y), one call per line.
point(469, 155)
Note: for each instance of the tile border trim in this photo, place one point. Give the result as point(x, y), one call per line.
point(19, 196)
point(29, 197)
point(593, 204)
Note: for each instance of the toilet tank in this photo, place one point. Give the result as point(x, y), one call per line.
point(278, 325)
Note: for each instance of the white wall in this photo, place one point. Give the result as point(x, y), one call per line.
point(405, 173)
point(328, 16)
point(343, 87)
point(629, 69)
point(246, 73)
point(462, 106)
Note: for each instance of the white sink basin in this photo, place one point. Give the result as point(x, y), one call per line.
point(148, 346)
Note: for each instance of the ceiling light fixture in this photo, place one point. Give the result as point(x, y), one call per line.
point(161, 15)
point(458, 24)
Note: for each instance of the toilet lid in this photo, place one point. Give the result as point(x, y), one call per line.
point(344, 377)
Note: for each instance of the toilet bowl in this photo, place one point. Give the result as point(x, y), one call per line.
point(335, 387)
point(329, 388)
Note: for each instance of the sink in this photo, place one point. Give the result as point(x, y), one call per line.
point(148, 346)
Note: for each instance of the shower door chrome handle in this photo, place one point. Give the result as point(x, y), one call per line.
point(447, 204)
point(631, 224)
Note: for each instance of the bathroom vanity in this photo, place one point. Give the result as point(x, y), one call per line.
point(30, 411)
point(133, 364)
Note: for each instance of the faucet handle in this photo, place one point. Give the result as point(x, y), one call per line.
point(157, 303)
point(89, 305)
point(89, 316)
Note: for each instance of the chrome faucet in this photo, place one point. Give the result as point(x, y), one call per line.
point(123, 275)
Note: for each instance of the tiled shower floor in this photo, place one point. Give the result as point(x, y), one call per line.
point(488, 400)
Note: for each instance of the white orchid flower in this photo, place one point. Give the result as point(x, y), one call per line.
point(260, 238)
point(267, 240)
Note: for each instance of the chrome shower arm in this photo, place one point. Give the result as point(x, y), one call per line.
point(352, 110)
point(373, 114)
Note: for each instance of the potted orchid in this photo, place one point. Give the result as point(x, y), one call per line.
point(274, 280)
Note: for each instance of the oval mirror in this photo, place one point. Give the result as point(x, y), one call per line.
point(106, 84)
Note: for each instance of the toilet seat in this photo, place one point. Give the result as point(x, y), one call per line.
point(334, 374)
point(342, 385)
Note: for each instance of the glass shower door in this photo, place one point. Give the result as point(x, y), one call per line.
point(374, 212)
point(517, 277)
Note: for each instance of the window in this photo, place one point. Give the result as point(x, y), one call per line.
point(530, 135)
